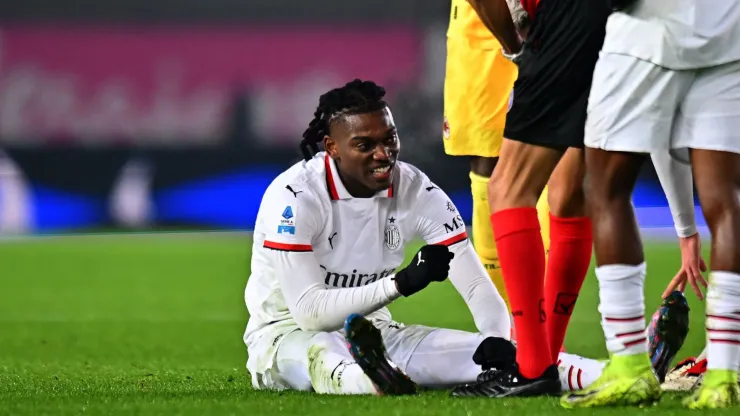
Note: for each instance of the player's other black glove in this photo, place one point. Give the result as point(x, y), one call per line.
point(619, 5)
point(495, 353)
point(430, 264)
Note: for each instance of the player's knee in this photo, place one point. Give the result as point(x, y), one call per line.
point(324, 340)
point(567, 200)
point(718, 206)
point(507, 190)
point(600, 193)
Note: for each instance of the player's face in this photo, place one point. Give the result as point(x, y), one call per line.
point(365, 148)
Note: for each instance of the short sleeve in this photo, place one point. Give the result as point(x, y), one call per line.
point(288, 221)
point(438, 220)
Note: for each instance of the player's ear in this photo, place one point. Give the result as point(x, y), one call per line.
point(331, 147)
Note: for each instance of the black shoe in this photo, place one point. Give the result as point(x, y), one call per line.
point(667, 332)
point(366, 346)
point(510, 383)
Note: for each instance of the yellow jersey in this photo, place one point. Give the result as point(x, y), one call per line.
point(478, 86)
point(465, 24)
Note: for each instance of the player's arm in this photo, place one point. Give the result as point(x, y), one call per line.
point(497, 17)
point(440, 223)
point(677, 182)
point(288, 247)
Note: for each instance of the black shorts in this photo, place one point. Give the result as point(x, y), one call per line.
point(555, 73)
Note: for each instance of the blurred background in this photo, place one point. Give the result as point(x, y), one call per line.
point(176, 114)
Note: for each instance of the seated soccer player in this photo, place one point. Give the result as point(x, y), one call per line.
point(330, 234)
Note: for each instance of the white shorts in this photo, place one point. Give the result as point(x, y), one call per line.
point(428, 364)
point(637, 106)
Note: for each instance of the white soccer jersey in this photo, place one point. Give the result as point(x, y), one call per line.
point(677, 34)
point(319, 254)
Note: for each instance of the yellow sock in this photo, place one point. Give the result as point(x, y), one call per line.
point(543, 213)
point(483, 240)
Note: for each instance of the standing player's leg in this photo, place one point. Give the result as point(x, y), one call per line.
point(708, 124)
point(717, 177)
point(481, 169)
point(514, 190)
point(618, 141)
point(570, 246)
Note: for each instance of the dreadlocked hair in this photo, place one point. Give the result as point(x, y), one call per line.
point(356, 97)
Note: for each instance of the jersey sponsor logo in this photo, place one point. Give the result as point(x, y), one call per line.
point(287, 223)
point(454, 225)
point(354, 279)
point(286, 229)
point(392, 235)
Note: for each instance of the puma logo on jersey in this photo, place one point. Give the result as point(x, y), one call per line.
point(295, 193)
point(354, 279)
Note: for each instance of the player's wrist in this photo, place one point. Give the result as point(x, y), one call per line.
point(407, 283)
point(391, 288)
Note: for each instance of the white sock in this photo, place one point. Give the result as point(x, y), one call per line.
point(577, 373)
point(335, 373)
point(622, 308)
point(723, 321)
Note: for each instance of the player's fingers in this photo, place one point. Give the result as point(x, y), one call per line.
point(682, 286)
point(702, 265)
point(673, 284)
point(702, 280)
point(695, 286)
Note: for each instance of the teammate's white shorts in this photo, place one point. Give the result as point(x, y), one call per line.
point(637, 106)
point(432, 357)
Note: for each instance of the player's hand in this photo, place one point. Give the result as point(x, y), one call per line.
point(430, 264)
point(496, 353)
point(692, 265)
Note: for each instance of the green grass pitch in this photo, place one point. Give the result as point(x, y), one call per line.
point(153, 325)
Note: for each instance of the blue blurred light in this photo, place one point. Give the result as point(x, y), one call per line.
point(55, 210)
point(228, 200)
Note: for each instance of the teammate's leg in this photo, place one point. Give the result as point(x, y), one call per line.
point(710, 120)
point(578, 373)
point(570, 246)
point(617, 143)
point(514, 189)
point(717, 177)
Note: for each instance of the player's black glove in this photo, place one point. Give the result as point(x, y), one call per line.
point(495, 353)
point(430, 264)
point(619, 5)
